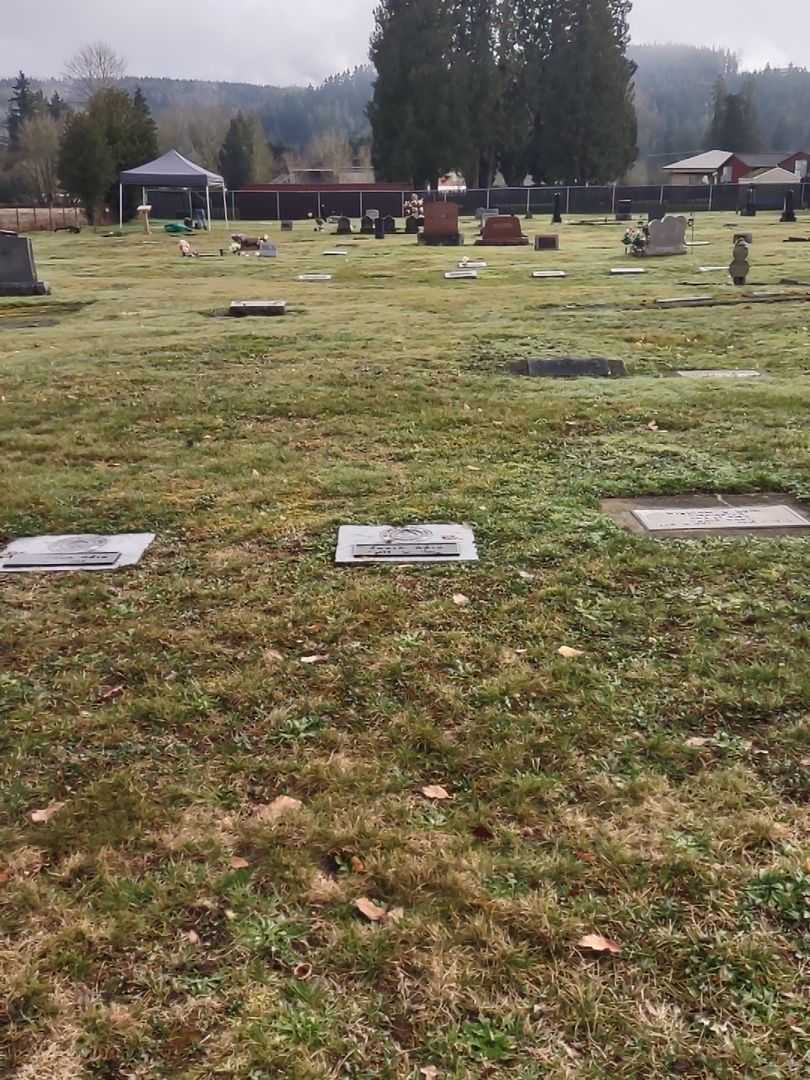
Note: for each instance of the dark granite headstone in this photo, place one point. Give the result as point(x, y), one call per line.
point(286, 226)
point(18, 272)
point(547, 242)
point(411, 226)
point(624, 210)
point(750, 208)
point(789, 211)
point(390, 224)
point(379, 229)
point(502, 231)
point(344, 227)
point(441, 224)
point(569, 367)
point(556, 217)
point(366, 225)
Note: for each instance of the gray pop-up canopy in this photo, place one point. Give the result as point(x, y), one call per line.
point(172, 170)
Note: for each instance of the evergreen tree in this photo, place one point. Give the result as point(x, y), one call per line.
point(734, 124)
point(236, 155)
point(143, 137)
point(86, 165)
point(58, 108)
point(25, 103)
point(416, 111)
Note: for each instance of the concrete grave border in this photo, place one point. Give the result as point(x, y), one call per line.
point(622, 512)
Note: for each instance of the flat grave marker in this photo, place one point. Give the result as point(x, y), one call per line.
point(68, 551)
point(242, 308)
point(423, 543)
point(461, 275)
point(712, 269)
point(684, 301)
point(619, 270)
point(549, 274)
point(685, 517)
point(314, 277)
point(473, 264)
point(718, 373)
point(335, 252)
point(570, 367)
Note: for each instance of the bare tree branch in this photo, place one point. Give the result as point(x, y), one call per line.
point(95, 67)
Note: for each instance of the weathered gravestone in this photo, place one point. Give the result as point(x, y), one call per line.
point(569, 367)
point(461, 275)
point(344, 227)
point(379, 229)
point(690, 516)
point(624, 210)
point(18, 272)
point(750, 208)
point(73, 552)
point(428, 543)
point(366, 225)
point(502, 231)
point(667, 236)
point(789, 211)
point(549, 274)
point(390, 223)
point(441, 224)
point(556, 215)
point(547, 242)
point(740, 266)
point(241, 308)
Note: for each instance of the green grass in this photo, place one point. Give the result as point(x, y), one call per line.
point(131, 946)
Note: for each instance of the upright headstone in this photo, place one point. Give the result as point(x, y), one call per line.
point(750, 208)
point(740, 266)
point(411, 226)
point(547, 242)
point(624, 210)
point(18, 272)
point(379, 229)
point(286, 226)
point(556, 217)
point(389, 223)
point(502, 231)
point(441, 224)
point(789, 211)
point(667, 236)
point(344, 227)
point(366, 225)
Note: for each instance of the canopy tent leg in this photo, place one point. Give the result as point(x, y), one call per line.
point(208, 205)
point(120, 206)
point(190, 206)
point(225, 205)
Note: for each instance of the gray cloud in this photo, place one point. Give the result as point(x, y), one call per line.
point(301, 41)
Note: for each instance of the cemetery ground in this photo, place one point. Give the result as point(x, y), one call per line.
point(500, 861)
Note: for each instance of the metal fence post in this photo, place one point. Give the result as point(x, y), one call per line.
point(568, 200)
point(613, 201)
point(17, 209)
point(402, 203)
point(278, 206)
point(361, 205)
point(710, 197)
point(661, 196)
point(487, 198)
point(528, 197)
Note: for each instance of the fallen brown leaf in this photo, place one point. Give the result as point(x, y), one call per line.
point(42, 817)
point(238, 863)
point(113, 692)
point(568, 653)
point(597, 943)
point(373, 912)
point(436, 791)
point(278, 808)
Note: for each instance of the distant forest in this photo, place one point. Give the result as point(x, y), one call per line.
point(675, 90)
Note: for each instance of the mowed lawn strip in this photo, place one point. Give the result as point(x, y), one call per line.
point(593, 865)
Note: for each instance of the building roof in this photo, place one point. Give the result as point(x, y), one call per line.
point(773, 176)
point(172, 170)
point(762, 161)
point(711, 161)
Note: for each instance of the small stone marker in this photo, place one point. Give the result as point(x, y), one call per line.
point(18, 272)
point(628, 270)
point(336, 252)
point(472, 264)
point(314, 277)
point(789, 210)
point(712, 269)
point(569, 367)
point(461, 275)
point(708, 515)
point(427, 543)
point(549, 273)
point(73, 552)
point(743, 517)
point(718, 373)
point(684, 301)
point(286, 226)
point(547, 242)
point(241, 308)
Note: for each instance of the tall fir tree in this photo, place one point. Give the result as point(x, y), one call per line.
point(236, 155)
point(416, 109)
point(86, 166)
point(734, 125)
point(25, 103)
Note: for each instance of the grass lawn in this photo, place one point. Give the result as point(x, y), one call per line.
point(170, 918)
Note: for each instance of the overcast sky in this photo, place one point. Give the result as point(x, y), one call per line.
point(301, 41)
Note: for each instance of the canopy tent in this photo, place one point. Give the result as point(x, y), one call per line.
point(172, 170)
